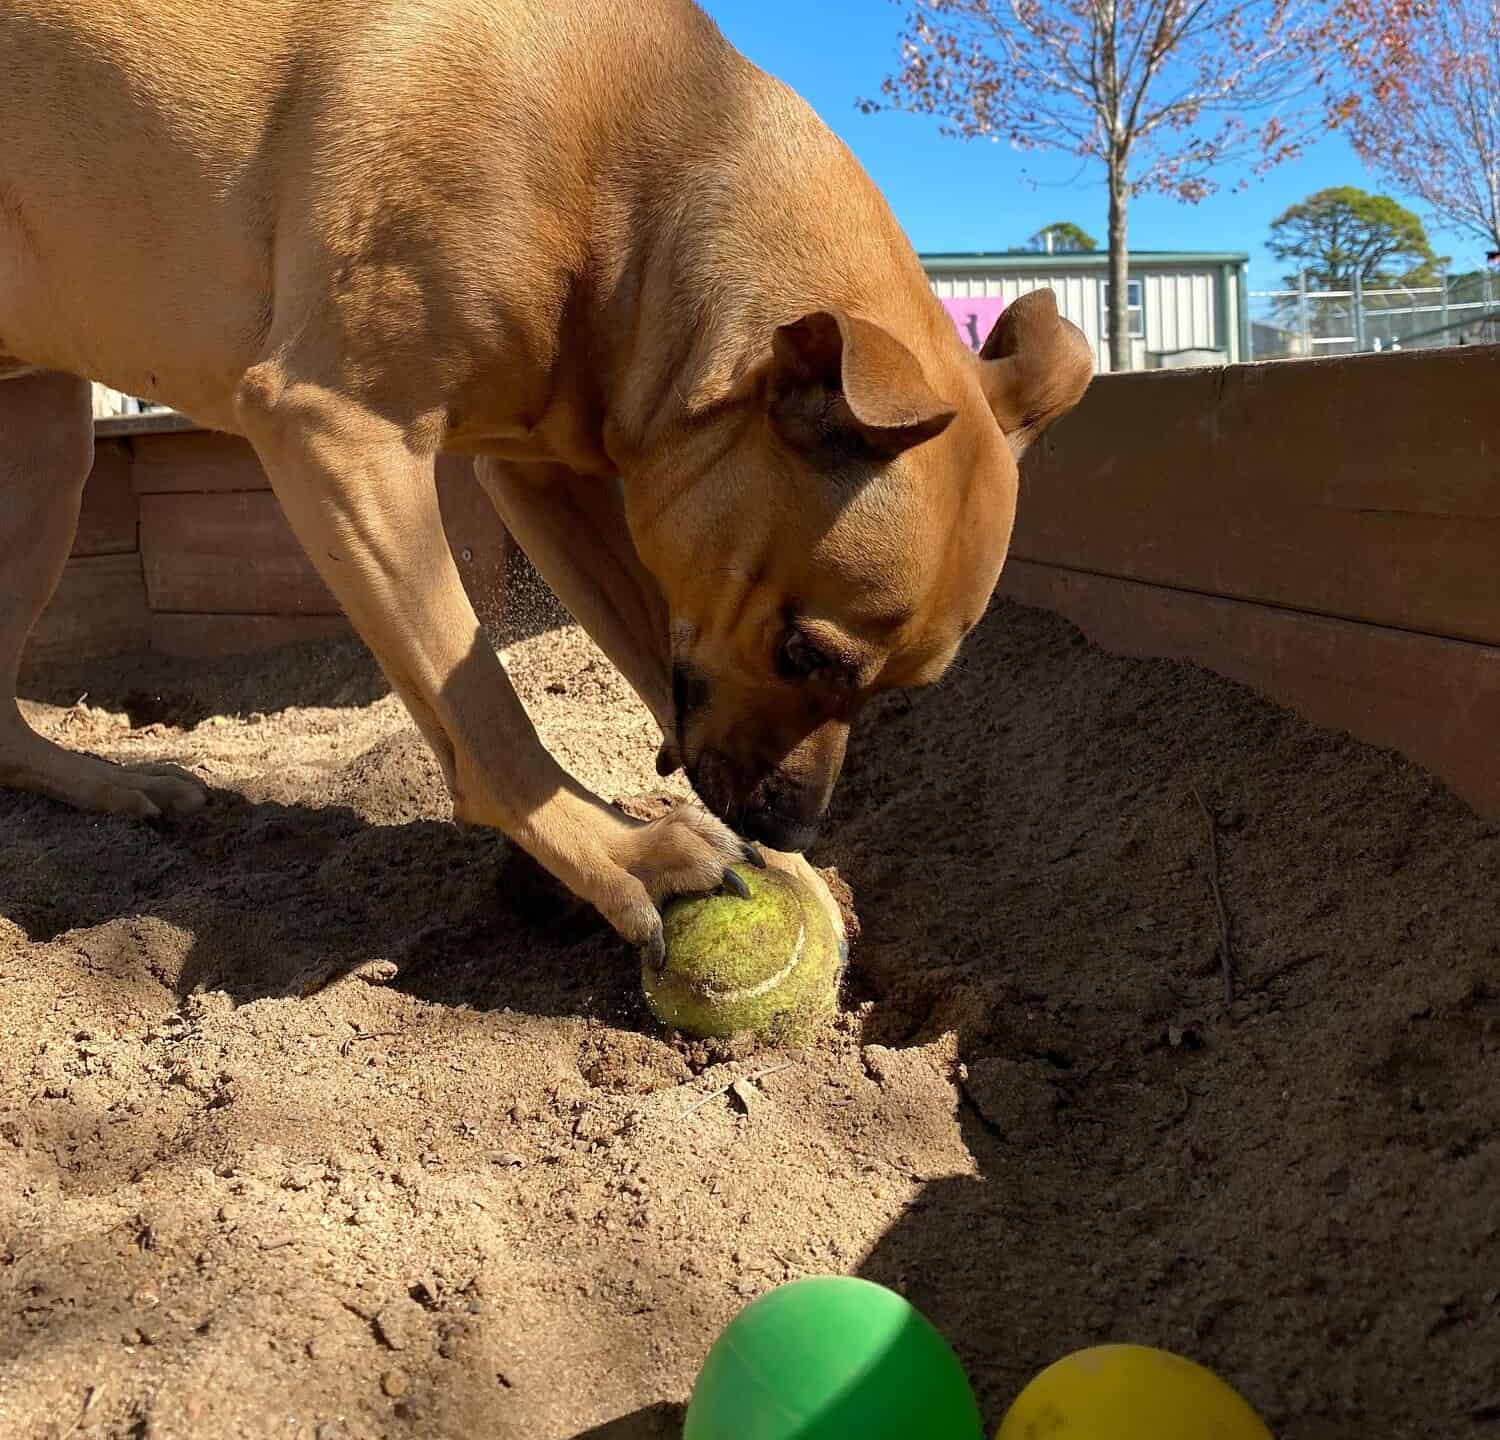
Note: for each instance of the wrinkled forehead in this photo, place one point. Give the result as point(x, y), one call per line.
point(908, 563)
point(929, 532)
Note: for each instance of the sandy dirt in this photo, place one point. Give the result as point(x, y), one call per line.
point(321, 1119)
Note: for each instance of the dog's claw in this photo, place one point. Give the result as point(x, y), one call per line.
point(654, 951)
point(753, 857)
point(735, 884)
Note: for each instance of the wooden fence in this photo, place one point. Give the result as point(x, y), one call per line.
point(1327, 532)
point(182, 549)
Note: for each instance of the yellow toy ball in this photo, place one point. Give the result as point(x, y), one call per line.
point(1129, 1392)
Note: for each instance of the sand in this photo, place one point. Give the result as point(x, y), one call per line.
point(321, 1119)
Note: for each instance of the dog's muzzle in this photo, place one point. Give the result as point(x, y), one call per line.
point(759, 808)
point(780, 832)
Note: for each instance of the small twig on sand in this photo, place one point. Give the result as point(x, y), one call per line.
point(725, 1089)
point(1226, 952)
point(347, 1044)
point(89, 1401)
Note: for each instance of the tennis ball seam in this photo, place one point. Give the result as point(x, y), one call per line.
point(754, 992)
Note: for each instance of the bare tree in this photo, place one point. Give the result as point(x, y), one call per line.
point(1167, 94)
point(1425, 108)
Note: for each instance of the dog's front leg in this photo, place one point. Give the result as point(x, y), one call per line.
point(573, 529)
point(364, 505)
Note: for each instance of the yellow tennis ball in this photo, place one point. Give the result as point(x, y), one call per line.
point(768, 964)
point(1129, 1392)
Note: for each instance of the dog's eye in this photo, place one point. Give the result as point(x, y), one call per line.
point(798, 657)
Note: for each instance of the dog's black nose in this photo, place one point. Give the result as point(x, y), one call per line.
point(780, 832)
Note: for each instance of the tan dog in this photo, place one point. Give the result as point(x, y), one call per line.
point(709, 388)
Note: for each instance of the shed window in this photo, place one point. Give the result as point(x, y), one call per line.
point(1136, 307)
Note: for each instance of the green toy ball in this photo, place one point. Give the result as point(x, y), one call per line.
point(831, 1358)
point(768, 964)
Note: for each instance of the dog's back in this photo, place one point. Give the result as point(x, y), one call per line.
point(136, 181)
point(172, 173)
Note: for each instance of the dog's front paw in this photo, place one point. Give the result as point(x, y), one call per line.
point(685, 852)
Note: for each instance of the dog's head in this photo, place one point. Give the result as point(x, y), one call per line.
point(839, 528)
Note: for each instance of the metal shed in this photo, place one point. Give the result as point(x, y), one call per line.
point(1187, 307)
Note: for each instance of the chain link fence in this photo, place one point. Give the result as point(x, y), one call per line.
point(1300, 323)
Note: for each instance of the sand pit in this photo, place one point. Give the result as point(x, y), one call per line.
point(321, 1119)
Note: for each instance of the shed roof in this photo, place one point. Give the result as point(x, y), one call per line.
point(946, 262)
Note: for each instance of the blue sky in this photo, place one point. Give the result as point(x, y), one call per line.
point(970, 195)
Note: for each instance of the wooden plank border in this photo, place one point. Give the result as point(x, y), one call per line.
point(99, 609)
point(1327, 532)
point(1366, 488)
point(1433, 699)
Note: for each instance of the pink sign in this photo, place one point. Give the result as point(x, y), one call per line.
point(975, 318)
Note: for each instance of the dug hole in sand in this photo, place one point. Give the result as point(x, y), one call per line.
point(319, 1118)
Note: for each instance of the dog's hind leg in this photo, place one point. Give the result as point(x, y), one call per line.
point(46, 450)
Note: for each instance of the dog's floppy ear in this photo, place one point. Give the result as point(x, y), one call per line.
point(1034, 367)
point(839, 383)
